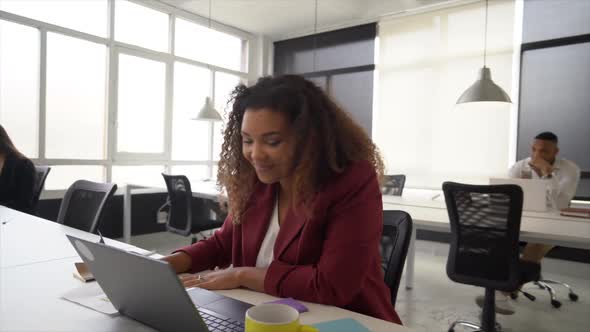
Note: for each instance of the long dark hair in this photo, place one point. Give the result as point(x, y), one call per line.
point(329, 140)
point(7, 148)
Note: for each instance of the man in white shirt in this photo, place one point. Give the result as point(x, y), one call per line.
point(544, 164)
point(564, 174)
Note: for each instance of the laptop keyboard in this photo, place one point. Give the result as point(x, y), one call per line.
point(221, 324)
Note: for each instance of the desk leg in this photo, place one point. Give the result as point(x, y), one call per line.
point(410, 261)
point(127, 214)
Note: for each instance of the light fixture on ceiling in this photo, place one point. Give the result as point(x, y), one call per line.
point(208, 111)
point(484, 89)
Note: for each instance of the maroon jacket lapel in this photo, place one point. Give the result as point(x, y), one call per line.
point(290, 228)
point(257, 219)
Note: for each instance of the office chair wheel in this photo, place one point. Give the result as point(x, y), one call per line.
point(573, 296)
point(555, 303)
point(451, 330)
point(514, 295)
point(529, 296)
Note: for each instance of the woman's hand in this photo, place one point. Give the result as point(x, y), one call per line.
point(179, 261)
point(249, 277)
point(216, 280)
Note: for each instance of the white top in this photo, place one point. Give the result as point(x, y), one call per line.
point(266, 252)
point(564, 179)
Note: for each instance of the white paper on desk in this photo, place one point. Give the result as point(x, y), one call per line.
point(91, 296)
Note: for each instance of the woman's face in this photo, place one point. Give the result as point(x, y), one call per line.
point(268, 143)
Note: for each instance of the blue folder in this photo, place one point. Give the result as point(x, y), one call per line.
point(341, 325)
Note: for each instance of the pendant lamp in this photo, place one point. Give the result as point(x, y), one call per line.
point(208, 111)
point(484, 89)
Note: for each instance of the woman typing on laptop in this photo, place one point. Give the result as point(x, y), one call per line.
point(305, 211)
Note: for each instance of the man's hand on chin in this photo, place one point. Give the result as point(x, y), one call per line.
point(541, 166)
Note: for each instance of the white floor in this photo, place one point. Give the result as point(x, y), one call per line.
point(435, 301)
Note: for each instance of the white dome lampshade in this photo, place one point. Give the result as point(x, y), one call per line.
point(208, 112)
point(484, 89)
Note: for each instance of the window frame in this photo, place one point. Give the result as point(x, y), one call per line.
point(114, 48)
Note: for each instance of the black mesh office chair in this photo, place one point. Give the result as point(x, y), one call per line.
point(182, 218)
point(395, 240)
point(41, 173)
point(485, 226)
point(84, 203)
point(393, 184)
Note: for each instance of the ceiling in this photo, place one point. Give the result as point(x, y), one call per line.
point(283, 19)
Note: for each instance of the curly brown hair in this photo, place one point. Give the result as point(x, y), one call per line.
point(328, 140)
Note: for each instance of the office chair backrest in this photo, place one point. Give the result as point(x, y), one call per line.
point(180, 200)
point(393, 184)
point(395, 239)
point(485, 226)
point(84, 203)
point(41, 173)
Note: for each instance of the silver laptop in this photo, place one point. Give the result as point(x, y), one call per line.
point(149, 291)
point(534, 190)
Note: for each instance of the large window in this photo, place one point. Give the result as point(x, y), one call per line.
point(138, 25)
point(19, 85)
point(190, 138)
point(221, 48)
point(425, 62)
point(110, 98)
point(64, 175)
point(75, 98)
point(143, 175)
point(192, 172)
point(224, 85)
point(85, 16)
point(141, 100)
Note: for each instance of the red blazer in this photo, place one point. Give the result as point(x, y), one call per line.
point(332, 258)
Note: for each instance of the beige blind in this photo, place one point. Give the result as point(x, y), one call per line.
point(424, 63)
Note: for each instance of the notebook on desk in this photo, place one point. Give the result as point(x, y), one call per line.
point(576, 212)
point(534, 190)
point(149, 291)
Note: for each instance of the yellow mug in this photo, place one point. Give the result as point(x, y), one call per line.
point(274, 317)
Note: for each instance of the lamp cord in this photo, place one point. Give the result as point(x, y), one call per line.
point(315, 37)
point(209, 14)
point(485, 42)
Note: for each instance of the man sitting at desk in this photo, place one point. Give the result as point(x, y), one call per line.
point(564, 174)
point(544, 164)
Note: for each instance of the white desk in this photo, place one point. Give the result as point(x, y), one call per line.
point(429, 214)
point(26, 239)
point(31, 284)
point(537, 227)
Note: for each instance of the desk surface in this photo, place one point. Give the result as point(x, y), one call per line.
point(540, 227)
point(34, 277)
point(26, 239)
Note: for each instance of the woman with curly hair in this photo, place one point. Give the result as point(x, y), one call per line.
point(305, 212)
